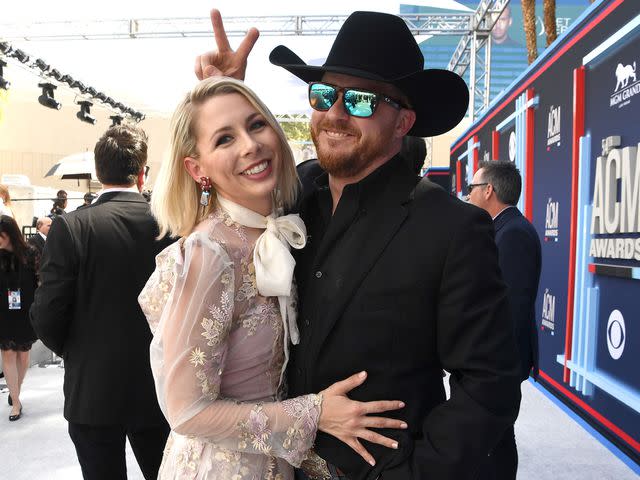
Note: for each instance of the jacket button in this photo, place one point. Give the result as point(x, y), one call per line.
point(299, 371)
point(318, 274)
point(306, 322)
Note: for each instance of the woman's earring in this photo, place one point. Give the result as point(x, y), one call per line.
point(205, 184)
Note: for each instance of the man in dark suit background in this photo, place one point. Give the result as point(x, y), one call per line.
point(496, 187)
point(43, 225)
point(96, 262)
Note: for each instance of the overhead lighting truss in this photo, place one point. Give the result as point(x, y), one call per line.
point(473, 51)
point(45, 71)
point(279, 25)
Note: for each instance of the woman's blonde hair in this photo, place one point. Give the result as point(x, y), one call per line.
point(175, 201)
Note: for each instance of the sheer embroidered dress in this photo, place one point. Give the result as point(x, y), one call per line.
point(218, 354)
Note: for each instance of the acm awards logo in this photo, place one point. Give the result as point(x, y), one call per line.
point(627, 85)
point(551, 221)
point(548, 311)
point(553, 127)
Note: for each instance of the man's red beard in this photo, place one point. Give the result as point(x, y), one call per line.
point(351, 163)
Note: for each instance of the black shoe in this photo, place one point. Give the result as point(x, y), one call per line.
point(10, 401)
point(13, 418)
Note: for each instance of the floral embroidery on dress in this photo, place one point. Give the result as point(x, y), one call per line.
point(306, 411)
point(315, 467)
point(213, 318)
point(249, 287)
point(255, 431)
point(264, 313)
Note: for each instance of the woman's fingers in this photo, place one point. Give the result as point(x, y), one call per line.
point(222, 41)
point(383, 422)
point(198, 68)
point(357, 446)
point(382, 406)
point(374, 437)
point(245, 47)
point(345, 386)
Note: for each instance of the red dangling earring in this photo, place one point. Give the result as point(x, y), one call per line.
point(205, 184)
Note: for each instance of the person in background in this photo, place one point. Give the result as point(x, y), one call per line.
point(88, 199)
point(496, 188)
point(5, 202)
point(43, 225)
point(17, 285)
point(414, 151)
point(95, 263)
point(500, 32)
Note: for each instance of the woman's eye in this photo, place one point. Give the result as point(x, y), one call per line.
point(258, 124)
point(223, 139)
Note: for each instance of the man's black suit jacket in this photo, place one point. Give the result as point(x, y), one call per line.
point(402, 284)
point(37, 242)
point(520, 261)
point(95, 263)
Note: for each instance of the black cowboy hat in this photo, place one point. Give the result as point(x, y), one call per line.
point(380, 46)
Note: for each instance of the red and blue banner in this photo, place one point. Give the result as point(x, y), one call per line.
point(570, 123)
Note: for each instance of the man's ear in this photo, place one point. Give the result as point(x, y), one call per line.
point(489, 191)
point(140, 180)
point(405, 122)
point(193, 168)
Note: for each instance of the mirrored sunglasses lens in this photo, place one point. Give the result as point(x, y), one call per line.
point(360, 104)
point(322, 97)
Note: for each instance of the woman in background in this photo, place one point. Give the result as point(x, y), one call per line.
point(17, 283)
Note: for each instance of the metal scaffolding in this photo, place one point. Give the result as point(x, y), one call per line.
point(282, 25)
point(474, 52)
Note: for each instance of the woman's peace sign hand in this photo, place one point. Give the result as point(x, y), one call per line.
point(224, 61)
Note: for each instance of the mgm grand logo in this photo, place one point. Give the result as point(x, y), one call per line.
point(627, 85)
point(616, 202)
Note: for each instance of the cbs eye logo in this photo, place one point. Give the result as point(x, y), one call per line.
point(616, 334)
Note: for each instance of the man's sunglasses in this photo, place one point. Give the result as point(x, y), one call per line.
point(357, 102)
point(471, 186)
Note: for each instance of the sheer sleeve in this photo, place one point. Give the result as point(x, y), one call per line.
point(188, 358)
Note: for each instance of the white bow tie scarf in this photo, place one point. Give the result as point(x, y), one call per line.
point(273, 261)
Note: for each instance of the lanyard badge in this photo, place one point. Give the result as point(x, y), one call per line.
point(14, 299)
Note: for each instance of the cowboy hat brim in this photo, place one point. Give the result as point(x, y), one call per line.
point(439, 97)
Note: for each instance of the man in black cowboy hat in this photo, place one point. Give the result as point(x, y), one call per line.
point(398, 278)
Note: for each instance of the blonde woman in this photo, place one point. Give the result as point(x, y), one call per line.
point(221, 302)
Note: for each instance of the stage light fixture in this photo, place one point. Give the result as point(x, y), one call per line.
point(100, 96)
point(46, 99)
point(5, 48)
point(84, 114)
point(79, 85)
point(20, 56)
point(115, 120)
point(42, 65)
point(4, 84)
point(92, 91)
point(55, 73)
point(68, 79)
